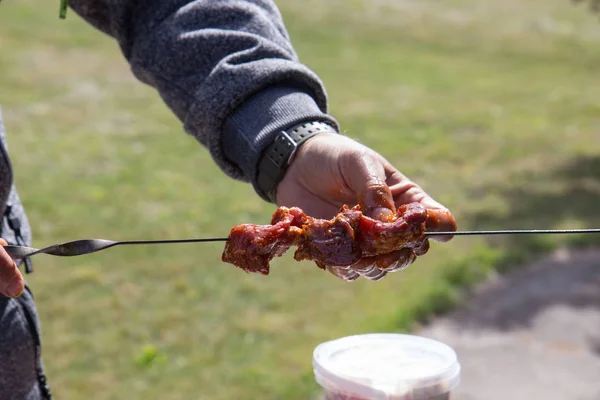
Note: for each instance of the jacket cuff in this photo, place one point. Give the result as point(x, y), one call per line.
point(252, 127)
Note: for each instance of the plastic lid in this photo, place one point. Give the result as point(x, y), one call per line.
point(386, 366)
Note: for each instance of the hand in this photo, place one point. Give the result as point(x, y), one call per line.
point(12, 283)
point(330, 170)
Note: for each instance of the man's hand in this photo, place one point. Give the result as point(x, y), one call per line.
point(12, 283)
point(330, 170)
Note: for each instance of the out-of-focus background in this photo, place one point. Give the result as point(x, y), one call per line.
point(492, 106)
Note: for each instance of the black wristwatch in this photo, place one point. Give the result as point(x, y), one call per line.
point(278, 156)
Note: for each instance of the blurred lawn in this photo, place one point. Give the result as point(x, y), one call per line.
point(492, 106)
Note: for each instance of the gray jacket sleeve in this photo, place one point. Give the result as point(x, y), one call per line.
point(226, 68)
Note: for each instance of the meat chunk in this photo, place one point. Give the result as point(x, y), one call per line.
point(251, 247)
point(331, 242)
point(407, 229)
point(334, 244)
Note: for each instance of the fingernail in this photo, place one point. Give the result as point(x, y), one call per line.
point(377, 276)
point(15, 287)
point(351, 276)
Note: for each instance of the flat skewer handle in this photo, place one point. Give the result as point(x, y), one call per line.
point(87, 246)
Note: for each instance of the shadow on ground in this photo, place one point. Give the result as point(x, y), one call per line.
point(531, 333)
point(567, 280)
point(565, 196)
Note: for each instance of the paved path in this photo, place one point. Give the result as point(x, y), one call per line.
point(531, 334)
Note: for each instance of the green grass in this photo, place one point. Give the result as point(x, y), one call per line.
point(491, 106)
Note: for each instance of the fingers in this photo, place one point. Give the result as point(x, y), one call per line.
point(376, 268)
point(422, 248)
point(367, 267)
point(397, 260)
point(12, 283)
point(404, 191)
point(311, 204)
point(406, 259)
point(377, 202)
point(440, 220)
point(344, 273)
point(375, 274)
point(367, 178)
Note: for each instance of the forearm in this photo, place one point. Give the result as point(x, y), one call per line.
point(227, 69)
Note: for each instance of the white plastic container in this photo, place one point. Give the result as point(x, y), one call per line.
point(383, 366)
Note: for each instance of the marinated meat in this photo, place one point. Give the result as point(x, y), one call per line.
point(331, 242)
point(406, 230)
point(335, 244)
point(252, 247)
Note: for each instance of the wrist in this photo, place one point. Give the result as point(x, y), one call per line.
point(278, 156)
point(254, 125)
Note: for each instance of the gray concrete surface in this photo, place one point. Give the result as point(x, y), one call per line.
point(530, 334)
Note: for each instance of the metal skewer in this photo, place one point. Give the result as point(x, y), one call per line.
point(515, 232)
point(87, 246)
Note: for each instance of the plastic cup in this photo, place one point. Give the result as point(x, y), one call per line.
point(383, 366)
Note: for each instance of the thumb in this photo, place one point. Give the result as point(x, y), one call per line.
point(11, 280)
point(366, 177)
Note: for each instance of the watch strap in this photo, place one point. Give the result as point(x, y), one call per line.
point(278, 156)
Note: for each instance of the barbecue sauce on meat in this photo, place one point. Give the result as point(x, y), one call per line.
point(331, 242)
point(376, 237)
point(251, 247)
point(341, 241)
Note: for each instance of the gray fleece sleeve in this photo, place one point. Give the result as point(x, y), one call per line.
point(226, 68)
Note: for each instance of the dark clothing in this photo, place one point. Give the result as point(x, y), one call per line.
point(226, 68)
point(21, 371)
point(228, 71)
